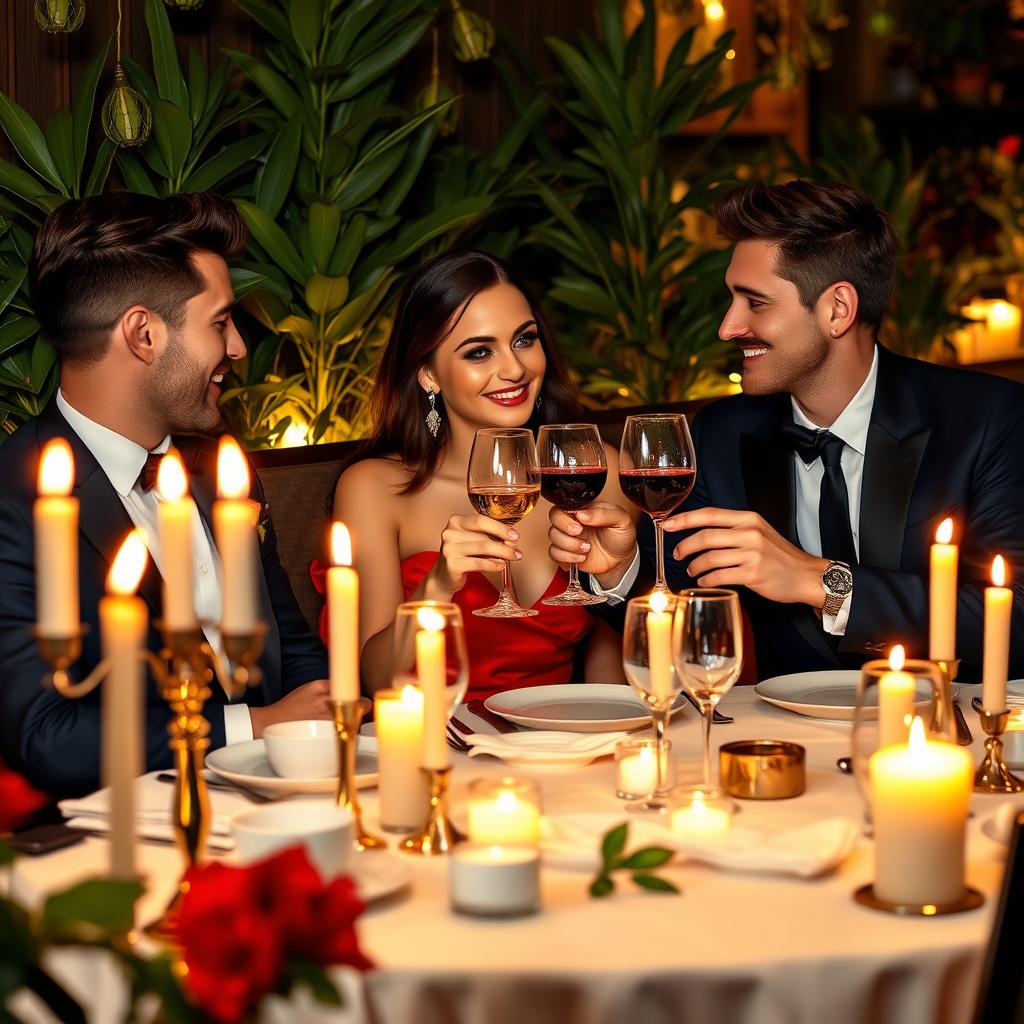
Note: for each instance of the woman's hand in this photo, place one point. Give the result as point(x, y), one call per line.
point(470, 544)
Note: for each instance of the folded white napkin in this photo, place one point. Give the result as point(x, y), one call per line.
point(153, 811)
point(573, 840)
point(542, 746)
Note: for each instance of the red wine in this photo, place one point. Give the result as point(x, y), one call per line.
point(572, 489)
point(657, 491)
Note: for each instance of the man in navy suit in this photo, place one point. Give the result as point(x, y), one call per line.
point(819, 488)
point(135, 294)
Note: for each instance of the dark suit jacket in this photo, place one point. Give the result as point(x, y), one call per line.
point(54, 741)
point(941, 442)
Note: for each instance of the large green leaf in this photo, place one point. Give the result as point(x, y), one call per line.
point(306, 20)
point(134, 174)
point(9, 288)
point(601, 96)
point(82, 111)
point(349, 245)
point(14, 333)
point(370, 68)
point(198, 85)
point(324, 222)
point(370, 179)
point(229, 161)
point(106, 904)
point(278, 174)
point(415, 235)
point(22, 184)
point(28, 142)
point(325, 294)
point(60, 141)
point(169, 80)
point(271, 83)
point(267, 16)
point(172, 130)
point(609, 14)
point(273, 239)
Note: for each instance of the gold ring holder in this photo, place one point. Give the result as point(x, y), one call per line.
point(439, 835)
point(347, 715)
point(970, 900)
point(993, 776)
point(762, 769)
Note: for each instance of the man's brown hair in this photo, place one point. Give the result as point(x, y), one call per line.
point(94, 258)
point(825, 233)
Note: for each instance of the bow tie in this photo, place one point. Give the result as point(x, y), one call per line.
point(147, 475)
point(188, 448)
point(812, 444)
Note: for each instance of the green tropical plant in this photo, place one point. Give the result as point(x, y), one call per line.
point(650, 297)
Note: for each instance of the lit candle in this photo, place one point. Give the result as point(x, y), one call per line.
point(996, 661)
point(714, 17)
point(494, 881)
point(401, 787)
point(920, 793)
point(343, 617)
point(235, 532)
point(896, 690)
point(699, 820)
point(638, 772)
point(55, 519)
point(659, 647)
point(123, 625)
point(1003, 334)
point(503, 814)
point(430, 668)
point(174, 522)
point(942, 604)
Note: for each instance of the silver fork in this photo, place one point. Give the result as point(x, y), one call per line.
point(455, 741)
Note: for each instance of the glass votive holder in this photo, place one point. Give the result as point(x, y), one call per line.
point(494, 881)
point(697, 812)
point(1013, 739)
point(642, 768)
point(504, 812)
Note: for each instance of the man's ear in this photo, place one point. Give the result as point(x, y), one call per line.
point(143, 333)
point(839, 308)
point(427, 380)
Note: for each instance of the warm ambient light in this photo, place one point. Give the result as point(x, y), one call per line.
point(412, 698)
point(129, 565)
point(714, 10)
point(659, 602)
point(232, 470)
point(56, 469)
point(897, 658)
point(944, 532)
point(341, 544)
point(917, 740)
point(430, 619)
point(1002, 314)
point(730, 54)
point(295, 435)
point(170, 477)
point(998, 571)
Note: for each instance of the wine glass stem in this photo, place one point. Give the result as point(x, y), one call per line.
point(506, 583)
point(659, 554)
point(707, 710)
point(574, 577)
point(660, 727)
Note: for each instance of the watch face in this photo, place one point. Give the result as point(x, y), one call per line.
point(837, 580)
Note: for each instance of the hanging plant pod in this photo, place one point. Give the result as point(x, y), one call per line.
point(472, 34)
point(437, 91)
point(59, 15)
point(126, 116)
point(185, 5)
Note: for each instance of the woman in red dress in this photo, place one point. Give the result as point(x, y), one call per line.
point(469, 342)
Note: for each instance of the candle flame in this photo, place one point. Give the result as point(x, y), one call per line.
point(56, 468)
point(944, 532)
point(411, 696)
point(232, 470)
point(714, 10)
point(998, 571)
point(917, 739)
point(430, 619)
point(897, 658)
point(129, 564)
point(506, 801)
point(341, 544)
point(658, 601)
point(171, 481)
point(1002, 314)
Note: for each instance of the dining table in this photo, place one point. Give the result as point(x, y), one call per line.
point(730, 948)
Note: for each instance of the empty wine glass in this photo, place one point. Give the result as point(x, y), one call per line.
point(503, 482)
point(573, 472)
point(657, 469)
point(707, 648)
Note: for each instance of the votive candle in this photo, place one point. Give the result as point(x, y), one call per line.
point(494, 881)
point(504, 812)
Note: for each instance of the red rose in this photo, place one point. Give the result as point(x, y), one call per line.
point(17, 800)
point(1009, 146)
point(335, 934)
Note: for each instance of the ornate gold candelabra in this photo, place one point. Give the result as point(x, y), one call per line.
point(347, 715)
point(439, 835)
point(993, 776)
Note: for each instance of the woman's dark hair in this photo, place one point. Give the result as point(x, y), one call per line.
point(431, 304)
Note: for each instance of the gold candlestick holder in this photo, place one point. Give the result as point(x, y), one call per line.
point(992, 775)
point(347, 715)
point(942, 709)
point(439, 835)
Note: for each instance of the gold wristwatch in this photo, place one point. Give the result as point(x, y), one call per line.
point(837, 582)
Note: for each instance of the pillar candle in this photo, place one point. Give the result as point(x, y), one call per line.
point(343, 617)
point(659, 648)
point(637, 773)
point(402, 788)
point(1003, 330)
point(504, 819)
point(942, 603)
point(234, 530)
point(174, 522)
point(920, 793)
point(996, 660)
point(430, 668)
point(123, 627)
point(55, 521)
point(896, 691)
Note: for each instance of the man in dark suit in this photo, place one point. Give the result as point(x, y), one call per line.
point(820, 487)
point(136, 296)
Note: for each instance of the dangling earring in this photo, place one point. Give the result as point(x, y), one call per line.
point(433, 417)
point(538, 403)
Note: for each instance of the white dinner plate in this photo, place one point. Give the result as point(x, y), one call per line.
point(379, 873)
point(831, 694)
point(574, 707)
point(247, 764)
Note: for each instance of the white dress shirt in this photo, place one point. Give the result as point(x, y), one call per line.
point(122, 460)
point(850, 426)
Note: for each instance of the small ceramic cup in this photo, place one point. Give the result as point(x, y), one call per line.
point(324, 829)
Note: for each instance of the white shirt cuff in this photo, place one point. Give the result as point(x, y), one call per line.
point(237, 724)
point(621, 590)
point(836, 624)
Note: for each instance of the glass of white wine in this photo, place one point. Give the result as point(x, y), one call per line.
point(707, 648)
point(503, 482)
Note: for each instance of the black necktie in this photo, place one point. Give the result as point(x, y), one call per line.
point(834, 501)
point(147, 475)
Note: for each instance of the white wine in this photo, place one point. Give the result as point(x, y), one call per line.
point(506, 504)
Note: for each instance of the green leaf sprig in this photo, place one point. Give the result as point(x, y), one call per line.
point(640, 863)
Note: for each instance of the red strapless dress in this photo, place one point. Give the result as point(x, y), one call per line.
point(504, 654)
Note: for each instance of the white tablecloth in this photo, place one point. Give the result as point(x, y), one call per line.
point(733, 948)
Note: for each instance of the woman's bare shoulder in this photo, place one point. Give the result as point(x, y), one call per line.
point(384, 471)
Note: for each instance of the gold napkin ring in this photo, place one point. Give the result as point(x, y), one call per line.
point(762, 769)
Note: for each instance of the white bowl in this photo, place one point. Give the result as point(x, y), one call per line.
point(302, 750)
point(323, 828)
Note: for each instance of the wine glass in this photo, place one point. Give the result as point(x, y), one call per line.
point(647, 662)
point(573, 472)
point(707, 648)
point(503, 482)
point(657, 469)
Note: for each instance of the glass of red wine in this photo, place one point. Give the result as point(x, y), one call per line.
point(573, 472)
point(657, 469)
point(504, 484)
